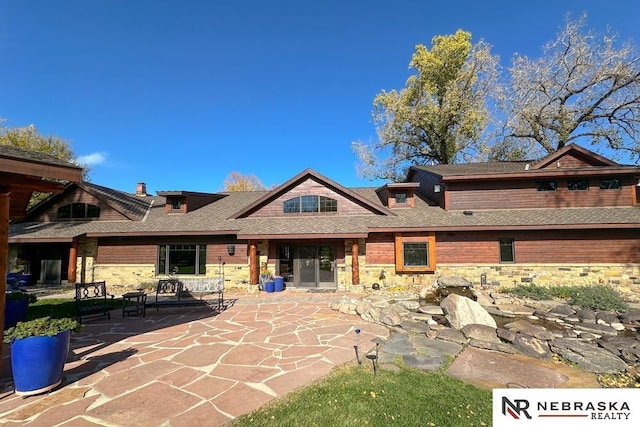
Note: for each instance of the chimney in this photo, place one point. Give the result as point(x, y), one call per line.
point(141, 189)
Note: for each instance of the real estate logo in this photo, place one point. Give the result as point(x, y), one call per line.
point(566, 407)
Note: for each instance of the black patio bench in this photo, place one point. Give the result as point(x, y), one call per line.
point(92, 299)
point(178, 293)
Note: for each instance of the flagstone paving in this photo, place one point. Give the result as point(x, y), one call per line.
point(194, 366)
point(189, 366)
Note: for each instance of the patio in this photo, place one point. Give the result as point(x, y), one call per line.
point(192, 365)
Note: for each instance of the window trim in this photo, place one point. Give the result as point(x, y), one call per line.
point(165, 249)
point(428, 238)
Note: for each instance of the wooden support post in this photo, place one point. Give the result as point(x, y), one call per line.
point(4, 252)
point(254, 268)
point(73, 262)
point(355, 262)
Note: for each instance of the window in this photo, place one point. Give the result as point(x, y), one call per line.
point(78, 211)
point(415, 254)
point(546, 186)
point(310, 204)
point(609, 184)
point(292, 205)
point(183, 259)
point(175, 203)
point(577, 185)
point(401, 198)
point(507, 253)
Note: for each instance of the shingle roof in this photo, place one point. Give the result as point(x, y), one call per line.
point(132, 206)
point(474, 168)
point(213, 219)
point(33, 156)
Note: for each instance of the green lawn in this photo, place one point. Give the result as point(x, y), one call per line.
point(352, 396)
point(58, 308)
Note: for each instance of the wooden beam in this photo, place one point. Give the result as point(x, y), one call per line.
point(254, 273)
point(73, 261)
point(355, 262)
point(4, 252)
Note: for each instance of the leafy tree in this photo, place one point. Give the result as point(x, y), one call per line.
point(29, 138)
point(235, 181)
point(585, 87)
point(439, 115)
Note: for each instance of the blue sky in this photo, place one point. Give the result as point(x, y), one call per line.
point(179, 93)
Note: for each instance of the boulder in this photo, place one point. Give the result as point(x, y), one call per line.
point(461, 311)
point(532, 347)
point(492, 345)
point(562, 310)
point(506, 335)
point(451, 335)
point(453, 282)
point(393, 315)
point(480, 332)
point(596, 328)
point(588, 356)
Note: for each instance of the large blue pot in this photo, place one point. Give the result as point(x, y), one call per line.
point(15, 311)
point(38, 362)
point(278, 284)
point(269, 286)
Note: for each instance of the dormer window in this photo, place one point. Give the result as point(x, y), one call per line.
point(310, 204)
point(78, 211)
point(176, 204)
point(401, 198)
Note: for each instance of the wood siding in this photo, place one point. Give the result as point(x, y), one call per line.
point(310, 187)
point(145, 250)
point(524, 194)
point(79, 196)
point(380, 249)
point(578, 246)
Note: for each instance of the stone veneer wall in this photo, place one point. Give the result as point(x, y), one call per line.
point(623, 277)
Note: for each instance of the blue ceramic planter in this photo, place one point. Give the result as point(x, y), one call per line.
point(269, 286)
point(278, 284)
point(38, 362)
point(15, 311)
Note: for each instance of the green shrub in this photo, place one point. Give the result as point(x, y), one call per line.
point(43, 326)
point(532, 291)
point(20, 296)
point(599, 297)
point(562, 291)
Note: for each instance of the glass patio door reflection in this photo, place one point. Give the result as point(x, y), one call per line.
point(316, 266)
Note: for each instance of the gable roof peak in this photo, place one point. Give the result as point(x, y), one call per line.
point(555, 157)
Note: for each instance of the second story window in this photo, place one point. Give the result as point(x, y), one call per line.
point(401, 198)
point(78, 211)
point(577, 185)
point(310, 204)
point(546, 185)
point(609, 184)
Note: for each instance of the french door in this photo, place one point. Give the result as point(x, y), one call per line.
point(315, 265)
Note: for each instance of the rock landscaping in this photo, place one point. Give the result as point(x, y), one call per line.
point(426, 336)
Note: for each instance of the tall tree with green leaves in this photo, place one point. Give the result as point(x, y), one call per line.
point(439, 115)
point(28, 138)
point(584, 88)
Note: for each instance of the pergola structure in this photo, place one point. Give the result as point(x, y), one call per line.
point(21, 173)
